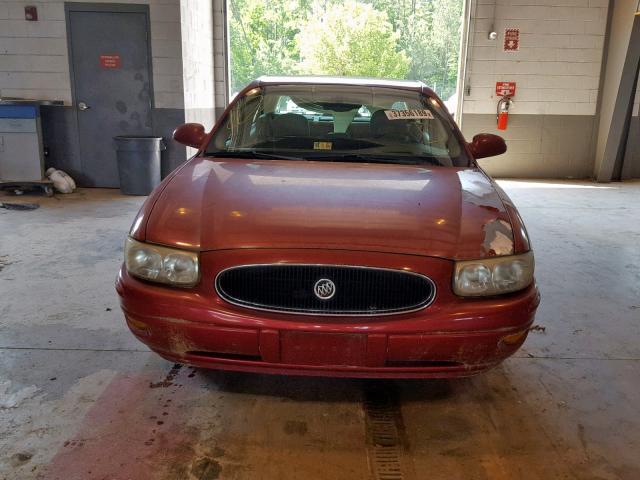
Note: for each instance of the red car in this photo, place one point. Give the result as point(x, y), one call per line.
point(331, 226)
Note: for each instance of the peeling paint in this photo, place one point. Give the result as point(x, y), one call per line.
point(498, 238)
point(179, 343)
point(478, 190)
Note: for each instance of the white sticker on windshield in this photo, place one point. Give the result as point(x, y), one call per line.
point(411, 114)
point(322, 145)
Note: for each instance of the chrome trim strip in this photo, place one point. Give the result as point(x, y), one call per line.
point(386, 313)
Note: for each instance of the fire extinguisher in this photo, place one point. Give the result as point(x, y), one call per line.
point(503, 112)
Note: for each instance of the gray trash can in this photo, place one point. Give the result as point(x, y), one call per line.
point(139, 163)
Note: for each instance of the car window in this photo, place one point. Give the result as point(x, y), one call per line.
point(340, 123)
point(287, 105)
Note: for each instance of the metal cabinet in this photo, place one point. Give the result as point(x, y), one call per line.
point(21, 151)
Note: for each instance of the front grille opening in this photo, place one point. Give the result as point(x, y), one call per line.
point(358, 290)
point(225, 356)
point(422, 363)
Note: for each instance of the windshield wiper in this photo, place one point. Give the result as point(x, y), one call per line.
point(250, 154)
point(376, 158)
point(337, 157)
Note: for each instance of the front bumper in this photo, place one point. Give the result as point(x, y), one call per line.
point(453, 337)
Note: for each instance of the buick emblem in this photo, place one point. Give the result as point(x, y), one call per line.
point(324, 289)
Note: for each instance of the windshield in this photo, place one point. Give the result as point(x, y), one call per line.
point(339, 123)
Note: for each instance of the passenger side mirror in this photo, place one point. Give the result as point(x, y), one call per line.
point(190, 134)
point(487, 145)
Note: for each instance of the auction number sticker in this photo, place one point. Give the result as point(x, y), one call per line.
point(411, 114)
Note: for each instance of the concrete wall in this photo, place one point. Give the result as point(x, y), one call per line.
point(220, 56)
point(557, 71)
point(621, 24)
point(196, 17)
point(631, 165)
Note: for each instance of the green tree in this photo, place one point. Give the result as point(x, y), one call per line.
point(430, 35)
point(351, 39)
point(412, 39)
point(262, 38)
point(440, 67)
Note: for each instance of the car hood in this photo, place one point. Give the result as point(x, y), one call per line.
point(213, 204)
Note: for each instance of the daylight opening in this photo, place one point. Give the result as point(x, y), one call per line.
point(399, 39)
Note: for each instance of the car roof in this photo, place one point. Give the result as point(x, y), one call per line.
point(352, 81)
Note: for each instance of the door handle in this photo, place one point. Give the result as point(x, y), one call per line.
point(83, 106)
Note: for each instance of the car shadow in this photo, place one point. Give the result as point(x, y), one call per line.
point(326, 389)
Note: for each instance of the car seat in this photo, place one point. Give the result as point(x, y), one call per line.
point(289, 125)
point(394, 131)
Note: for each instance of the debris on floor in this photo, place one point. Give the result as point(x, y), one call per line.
point(62, 182)
point(168, 381)
point(19, 188)
point(4, 262)
point(20, 458)
point(12, 400)
point(538, 328)
point(19, 206)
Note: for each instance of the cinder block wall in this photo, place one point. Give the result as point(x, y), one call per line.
point(34, 64)
point(557, 71)
point(34, 60)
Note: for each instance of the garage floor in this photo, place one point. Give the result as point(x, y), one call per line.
point(80, 398)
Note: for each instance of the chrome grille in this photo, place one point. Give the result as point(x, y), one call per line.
point(292, 288)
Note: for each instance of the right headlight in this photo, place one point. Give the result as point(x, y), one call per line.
point(493, 276)
point(161, 264)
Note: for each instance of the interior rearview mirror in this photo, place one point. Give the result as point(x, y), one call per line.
point(487, 145)
point(190, 134)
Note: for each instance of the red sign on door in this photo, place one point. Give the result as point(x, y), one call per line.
point(505, 89)
point(511, 39)
point(110, 61)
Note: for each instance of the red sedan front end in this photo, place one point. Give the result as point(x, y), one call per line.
point(286, 261)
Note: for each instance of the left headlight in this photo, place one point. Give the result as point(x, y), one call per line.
point(493, 276)
point(161, 264)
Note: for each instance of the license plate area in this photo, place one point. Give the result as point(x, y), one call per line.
point(323, 349)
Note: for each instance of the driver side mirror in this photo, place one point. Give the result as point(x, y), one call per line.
point(190, 134)
point(487, 145)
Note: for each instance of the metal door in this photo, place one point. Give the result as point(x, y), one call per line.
point(111, 82)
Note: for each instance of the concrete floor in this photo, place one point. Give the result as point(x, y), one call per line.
point(80, 398)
